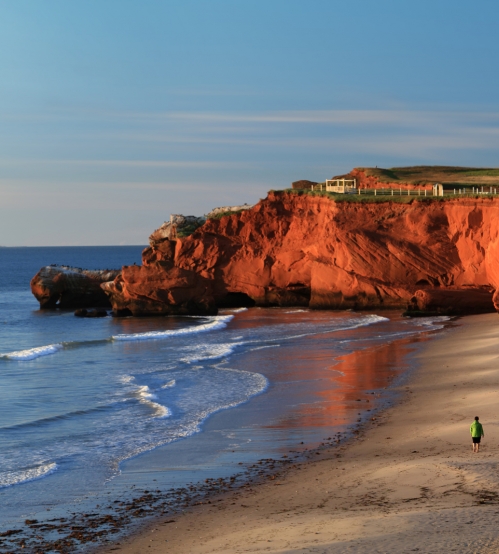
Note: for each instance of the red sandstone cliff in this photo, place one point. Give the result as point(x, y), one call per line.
point(293, 249)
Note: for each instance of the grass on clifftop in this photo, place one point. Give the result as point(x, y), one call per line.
point(447, 175)
point(187, 230)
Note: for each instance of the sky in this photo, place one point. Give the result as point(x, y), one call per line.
point(115, 114)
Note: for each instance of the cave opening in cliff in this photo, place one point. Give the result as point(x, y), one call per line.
point(236, 300)
point(124, 312)
point(428, 282)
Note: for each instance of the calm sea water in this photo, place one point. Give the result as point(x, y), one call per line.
point(82, 401)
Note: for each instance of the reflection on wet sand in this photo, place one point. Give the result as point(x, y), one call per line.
point(349, 387)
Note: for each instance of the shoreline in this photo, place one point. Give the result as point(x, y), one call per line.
point(388, 488)
point(316, 392)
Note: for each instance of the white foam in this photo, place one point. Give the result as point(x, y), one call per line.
point(214, 323)
point(32, 353)
point(295, 311)
point(161, 411)
point(435, 322)
point(147, 397)
point(362, 322)
point(237, 310)
point(10, 478)
point(210, 352)
point(145, 393)
point(169, 385)
point(259, 383)
point(265, 346)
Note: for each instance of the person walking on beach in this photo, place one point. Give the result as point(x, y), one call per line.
point(477, 433)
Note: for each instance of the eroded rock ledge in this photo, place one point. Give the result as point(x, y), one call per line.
point(58, 286)
point(300, 250)
point(160, 288)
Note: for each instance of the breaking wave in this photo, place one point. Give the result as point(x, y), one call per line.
point(147, 397)
point(10, 478)
point(33, 353)
point(210, 352)
point(214, 323)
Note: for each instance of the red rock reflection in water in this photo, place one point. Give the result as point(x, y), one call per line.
point(346, 386)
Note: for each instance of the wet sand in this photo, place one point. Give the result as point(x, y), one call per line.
point(408, 482)
point(320, 392)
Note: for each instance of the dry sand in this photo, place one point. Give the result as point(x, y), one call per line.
point(408, 483)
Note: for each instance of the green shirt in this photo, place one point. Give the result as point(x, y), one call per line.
point(476, 429)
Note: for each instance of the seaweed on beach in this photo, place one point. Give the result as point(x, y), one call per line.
point(89, 531)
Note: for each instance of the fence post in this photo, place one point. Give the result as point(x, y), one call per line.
point(392, 192)
point(374, 192)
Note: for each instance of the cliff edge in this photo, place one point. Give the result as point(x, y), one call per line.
point(304, 250)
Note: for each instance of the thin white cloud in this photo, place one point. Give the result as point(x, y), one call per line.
point(155, 163)
point(450, 138)
point(130, 163)
point(330, 117)
point(342, 117)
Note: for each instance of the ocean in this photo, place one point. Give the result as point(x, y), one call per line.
point(90, 408)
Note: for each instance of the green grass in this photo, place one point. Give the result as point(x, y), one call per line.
point(485, 172)
point(187, 230)
point(433, 173)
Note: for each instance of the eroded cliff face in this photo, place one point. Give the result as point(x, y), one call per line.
point(293, 249)
point(160, 288)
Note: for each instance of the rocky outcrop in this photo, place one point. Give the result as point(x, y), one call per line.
point(297, 249)
point(95, 312)
point(228, 210)
point(160, 288)
point(69, 287)
point(452, 301)
point(179, 225)
point(304, 250)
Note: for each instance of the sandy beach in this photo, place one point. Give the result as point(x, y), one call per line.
point(408, 482)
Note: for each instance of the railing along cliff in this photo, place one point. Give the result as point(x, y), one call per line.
point(474, 191)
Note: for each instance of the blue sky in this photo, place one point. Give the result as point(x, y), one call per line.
point(116, 113)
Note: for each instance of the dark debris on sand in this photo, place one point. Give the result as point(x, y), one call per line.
point(85, 532)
